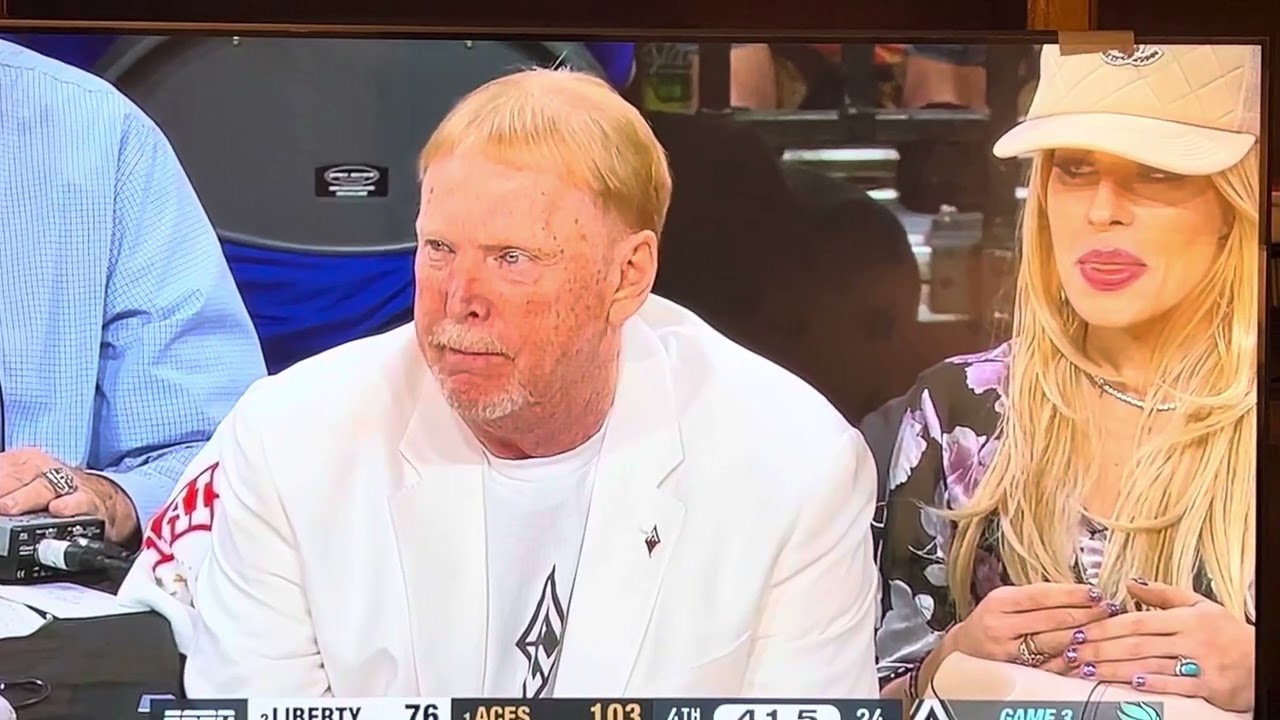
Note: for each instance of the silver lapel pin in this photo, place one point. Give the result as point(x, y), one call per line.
point(652, 540)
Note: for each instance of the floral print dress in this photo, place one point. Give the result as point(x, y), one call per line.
point(946, 440)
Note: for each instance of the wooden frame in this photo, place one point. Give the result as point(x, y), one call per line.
point(1072, 15)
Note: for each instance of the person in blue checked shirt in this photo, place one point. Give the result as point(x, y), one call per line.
point(123, 339)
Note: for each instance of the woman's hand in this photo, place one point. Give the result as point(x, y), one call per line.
point(1145, 649)
point(1027, 624)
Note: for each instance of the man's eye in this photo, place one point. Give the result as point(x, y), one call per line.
point(511, 257)
point(435, 245)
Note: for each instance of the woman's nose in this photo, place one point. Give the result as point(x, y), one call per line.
point(1109, 206)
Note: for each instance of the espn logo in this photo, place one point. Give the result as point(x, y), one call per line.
point(199, 710)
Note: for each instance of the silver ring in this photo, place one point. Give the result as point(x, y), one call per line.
point(61, 480)
point(1186, 667)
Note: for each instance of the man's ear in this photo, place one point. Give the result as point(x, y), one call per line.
point(637, 264)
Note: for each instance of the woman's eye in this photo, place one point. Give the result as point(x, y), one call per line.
point(1074, 170)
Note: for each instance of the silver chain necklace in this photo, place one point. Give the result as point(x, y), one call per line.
point(1128, 399)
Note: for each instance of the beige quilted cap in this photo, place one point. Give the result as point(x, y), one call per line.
point(1185, 109)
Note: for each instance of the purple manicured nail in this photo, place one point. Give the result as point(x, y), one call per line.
point(1095, 595)
point(1077, 637)
point(1089, 670)
point(1139, 681)
point(1072, 655)
point(1114, 608)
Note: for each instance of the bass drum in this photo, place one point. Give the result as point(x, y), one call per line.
point(311, 144)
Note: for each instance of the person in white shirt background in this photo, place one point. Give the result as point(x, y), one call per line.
point(552, 483)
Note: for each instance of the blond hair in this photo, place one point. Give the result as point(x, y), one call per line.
point(1188, 500)
point(568, 123)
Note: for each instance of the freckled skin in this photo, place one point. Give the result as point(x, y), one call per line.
point(529, 272)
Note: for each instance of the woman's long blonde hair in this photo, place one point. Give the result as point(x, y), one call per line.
point(1187, 499)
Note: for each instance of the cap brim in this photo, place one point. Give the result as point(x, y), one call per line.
point(1161, 144)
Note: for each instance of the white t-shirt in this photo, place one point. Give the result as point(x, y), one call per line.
point(535, 516)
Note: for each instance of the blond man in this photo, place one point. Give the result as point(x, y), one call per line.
point(552, 483)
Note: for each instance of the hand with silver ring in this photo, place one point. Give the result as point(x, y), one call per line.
point(32, 481)
point(1024, 624)
point(1185, 645)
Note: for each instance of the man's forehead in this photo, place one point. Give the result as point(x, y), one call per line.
point(491, 193)
point(455, 203)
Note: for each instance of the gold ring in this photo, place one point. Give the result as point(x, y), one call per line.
point(1030, 654)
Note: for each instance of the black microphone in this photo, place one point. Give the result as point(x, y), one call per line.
point(82, 554)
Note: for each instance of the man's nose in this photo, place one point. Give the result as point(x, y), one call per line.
point(466, 293)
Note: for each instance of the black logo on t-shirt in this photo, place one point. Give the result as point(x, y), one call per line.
point(540, 642)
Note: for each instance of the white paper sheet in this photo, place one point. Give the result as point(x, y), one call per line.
point(66, 601)
point(17, 621)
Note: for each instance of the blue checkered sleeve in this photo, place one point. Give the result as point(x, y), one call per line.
point(177, 346)
point(124, 341)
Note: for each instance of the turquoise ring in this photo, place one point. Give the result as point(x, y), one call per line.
point(1187, 667)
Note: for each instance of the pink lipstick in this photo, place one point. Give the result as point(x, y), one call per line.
point(1110, 270)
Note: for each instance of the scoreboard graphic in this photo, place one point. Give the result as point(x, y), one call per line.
point(557, 709)
point(665, 709)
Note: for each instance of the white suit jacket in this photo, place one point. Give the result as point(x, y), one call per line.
point(347, 553)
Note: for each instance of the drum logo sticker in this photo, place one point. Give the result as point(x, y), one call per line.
point(352, 180)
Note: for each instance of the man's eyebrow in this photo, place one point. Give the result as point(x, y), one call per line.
point(548, 254)
point(540, 253)
point(424, 229)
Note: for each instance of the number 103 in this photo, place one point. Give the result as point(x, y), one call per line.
point(616, 711)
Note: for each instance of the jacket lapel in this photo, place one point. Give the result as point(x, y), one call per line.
point(439, 523)
point(632, 526)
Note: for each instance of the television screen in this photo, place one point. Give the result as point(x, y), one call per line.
point(1020, 279)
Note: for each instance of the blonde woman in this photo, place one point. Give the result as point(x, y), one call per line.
point(1082, 498)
